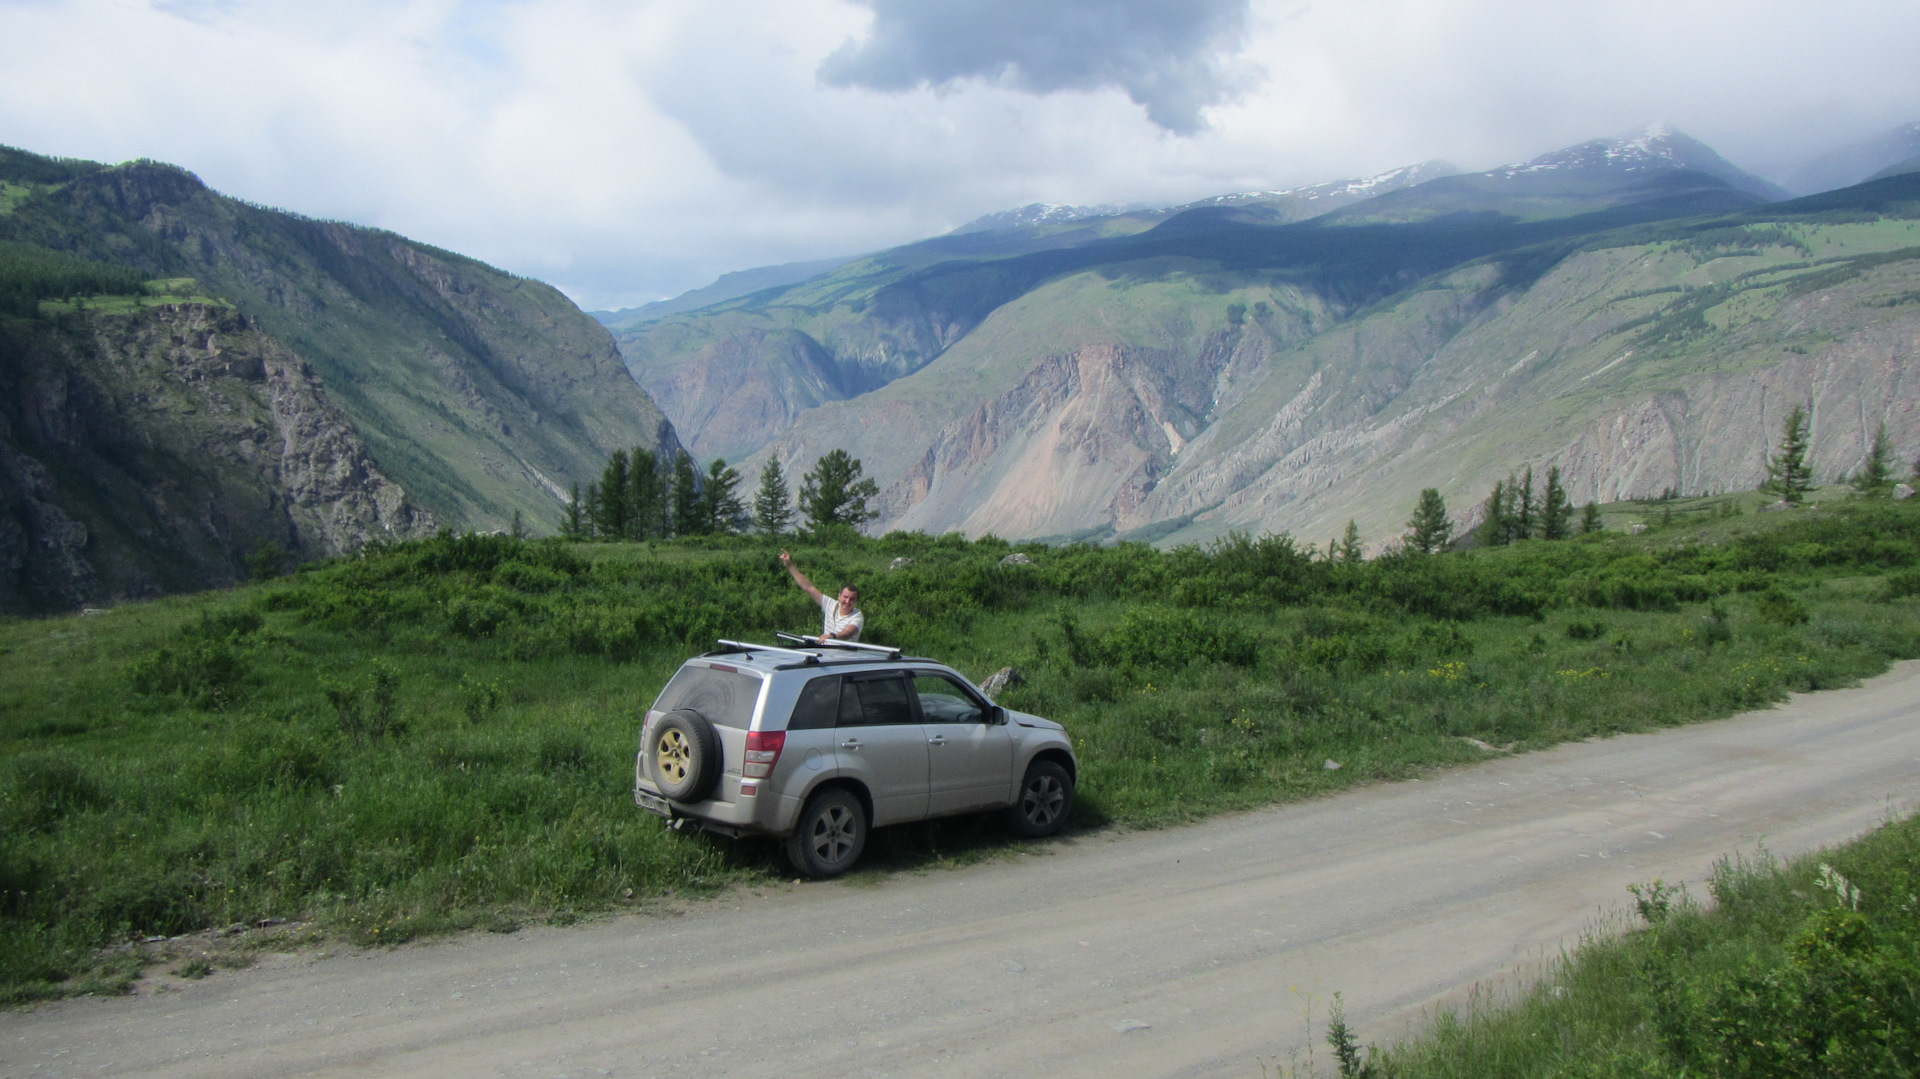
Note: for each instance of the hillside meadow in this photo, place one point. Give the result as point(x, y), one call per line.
point(439, 735)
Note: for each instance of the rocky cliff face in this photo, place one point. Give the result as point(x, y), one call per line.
point(1180, 404)
point(480, 393)
point(152, 450)
point(1635, 370)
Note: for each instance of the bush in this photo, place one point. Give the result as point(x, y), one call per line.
point(1776, 606)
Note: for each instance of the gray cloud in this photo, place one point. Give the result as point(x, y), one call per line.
point(1173, 57)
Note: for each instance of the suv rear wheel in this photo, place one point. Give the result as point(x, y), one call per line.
point(831, 834)
point(1046, 797)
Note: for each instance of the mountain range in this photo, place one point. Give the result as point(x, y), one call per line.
point(185, 377)
point(192, 386)
point(1291, 360)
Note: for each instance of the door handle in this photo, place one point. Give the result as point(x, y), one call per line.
point(937, 740)
point(851, 743)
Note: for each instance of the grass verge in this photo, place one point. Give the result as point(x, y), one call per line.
point(439, 735)
point(1811, 968)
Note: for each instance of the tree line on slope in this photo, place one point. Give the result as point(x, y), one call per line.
point(641, 496)
point(1513, 512)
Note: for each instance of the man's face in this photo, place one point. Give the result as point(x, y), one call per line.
point(847, 598)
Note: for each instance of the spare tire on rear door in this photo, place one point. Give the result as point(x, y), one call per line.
point(686, 757)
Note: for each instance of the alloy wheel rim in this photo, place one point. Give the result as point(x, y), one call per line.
point(673, 755)
point(1042, 799)
point(833, 834)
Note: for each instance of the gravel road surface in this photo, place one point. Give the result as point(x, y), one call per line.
point(1186, 952)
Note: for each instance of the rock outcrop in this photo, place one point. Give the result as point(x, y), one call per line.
point(483, 394)
point(151, 451)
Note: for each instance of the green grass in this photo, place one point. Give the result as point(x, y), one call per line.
point(439, 735)
point(1806, 969)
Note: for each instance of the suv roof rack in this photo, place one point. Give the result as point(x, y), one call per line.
point(744, 646)
point(818, 642)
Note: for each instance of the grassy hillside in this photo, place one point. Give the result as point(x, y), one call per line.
point(440, 734)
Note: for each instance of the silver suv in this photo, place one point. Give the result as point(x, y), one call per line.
point(821, 743)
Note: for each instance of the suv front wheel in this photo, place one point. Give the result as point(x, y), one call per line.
point(831, 834)
point(1046, 797)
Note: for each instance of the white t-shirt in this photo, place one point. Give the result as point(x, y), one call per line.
point(830, 606)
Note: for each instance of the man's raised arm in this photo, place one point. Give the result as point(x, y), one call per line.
point(799, 578)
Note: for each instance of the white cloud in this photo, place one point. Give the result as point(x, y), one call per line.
point(627, 150)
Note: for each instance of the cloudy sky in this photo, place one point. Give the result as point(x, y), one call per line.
point(631, 149)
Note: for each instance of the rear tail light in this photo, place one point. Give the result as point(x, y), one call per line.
point(763, 751)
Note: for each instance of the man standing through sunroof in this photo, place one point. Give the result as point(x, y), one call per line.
point(843, 617)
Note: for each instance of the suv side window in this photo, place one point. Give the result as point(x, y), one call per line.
point(875, 700)
point(819, 705)
point(942, 700)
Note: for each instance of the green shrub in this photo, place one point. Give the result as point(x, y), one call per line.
point(1776, 606)
point(1898, 586)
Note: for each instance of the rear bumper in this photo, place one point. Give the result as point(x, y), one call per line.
point(742, 815)
point(652, 803)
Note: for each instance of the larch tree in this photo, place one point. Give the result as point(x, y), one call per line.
point(1429, 530)
point(720, 506)
point(686, 498)
point(835, 493)
point(1788, 474)
point(1875, 478)
point(1590, 520)
point(1556, 509)
point(773, 501)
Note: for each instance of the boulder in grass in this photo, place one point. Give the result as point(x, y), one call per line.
point(1903, 490)
point(1017, 558)
point(1002, 678)
point(899, 563)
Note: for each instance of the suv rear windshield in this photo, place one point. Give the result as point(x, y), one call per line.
point(725, 698)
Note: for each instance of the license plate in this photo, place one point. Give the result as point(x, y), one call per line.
point(652, 803)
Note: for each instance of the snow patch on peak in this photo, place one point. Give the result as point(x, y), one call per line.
point(1045, 213)
point(1342, 190)
point(1658, 145)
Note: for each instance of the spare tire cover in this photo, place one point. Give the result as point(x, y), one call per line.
point(685, 754)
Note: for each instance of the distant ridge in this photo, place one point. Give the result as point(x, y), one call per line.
point(727, 286)
point(1039, 214)
point(1298, 203)
point(1886, 154)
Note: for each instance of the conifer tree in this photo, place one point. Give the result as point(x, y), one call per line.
point(720, 508)
point(1525, 516)
point(686, 498)
point(571, 524)
point(647, 495)
point(772, 501)
point(590, 510)
point(1495, 529)
point(1556, 509)
point(1875, 478)
point(1788, 474)
point(1351, 549)
point(1590, 520)
point(834, 493)
point(616, 504)
point(1428, 530)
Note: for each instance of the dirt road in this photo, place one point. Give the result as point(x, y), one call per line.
point(1187, 952)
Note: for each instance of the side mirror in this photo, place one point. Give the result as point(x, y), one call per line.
point(999, 715)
